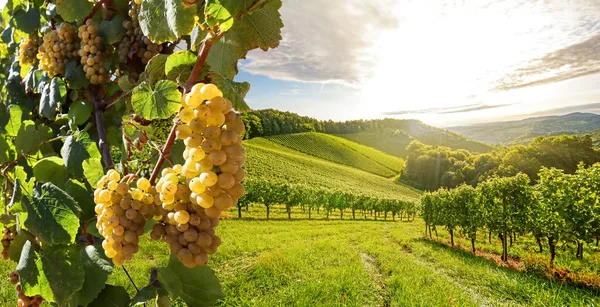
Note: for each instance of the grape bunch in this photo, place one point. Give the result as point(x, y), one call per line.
point(214, 154)
point(187, 228)
point(8, 234)
point(122, 213)
point(145, 48)
point(93, 53)
point(22, 299)
point(28, 50)
point(58, 48)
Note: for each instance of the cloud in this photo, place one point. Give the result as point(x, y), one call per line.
point(450, 110)
point(324, 41)
point(573, 61)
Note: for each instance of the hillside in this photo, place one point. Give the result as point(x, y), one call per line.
point(523, 131)
point(394, 142)
point(267, 160)
point(342, 151)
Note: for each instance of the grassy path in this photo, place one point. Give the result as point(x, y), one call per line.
point(350, 263)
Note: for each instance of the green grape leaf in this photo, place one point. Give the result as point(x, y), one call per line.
point(50, 169)
point(155, 69)
point(15, 119)
point(93, 171)
point(224, 12)
point(111, 296)
point(179, 65)
point(74, 10)
point(144, 295)
point(197, 287)
point(83, 197)
point(54, 272)
point(159, 103)
point(75, 76)
point(26, 186)
point(97, 267)
point(75, 150)
point(53, 216)
point(79, 112)
point(42, 83)
point(166, 20)
point(7, 35)
point(32, 79)
point(125, 85)
point(53, 96)
point(260, 29)
point(16, 246)
point(27, 137)
point(29, 21)
point(112, 31)
point(7, 152)
point(234, 91)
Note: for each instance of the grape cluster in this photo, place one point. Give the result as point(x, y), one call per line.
point(145, 48)
point(22, 299)
point(8, 234)
point(187, 228)
point(28, 50)
point(122, 213)
point(59, 47)
point(93, 53)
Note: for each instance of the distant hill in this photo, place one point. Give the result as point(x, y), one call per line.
point(388, 135)
point(524, 131)
point(267, 160)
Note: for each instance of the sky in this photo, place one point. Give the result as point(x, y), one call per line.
point(443, 62)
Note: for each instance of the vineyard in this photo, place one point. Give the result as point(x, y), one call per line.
point(560, 212)
point(289, 166)
point(341, 151)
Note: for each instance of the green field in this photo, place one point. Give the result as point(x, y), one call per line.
point(319, 262)
point(342, 151)
point(269, 161)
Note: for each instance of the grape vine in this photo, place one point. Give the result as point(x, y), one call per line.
point(86, 79)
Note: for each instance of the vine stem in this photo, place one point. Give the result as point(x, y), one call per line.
point(97, 7)
point(202, 55)
point(130, 279)
point(102, 141)
point(32, 150)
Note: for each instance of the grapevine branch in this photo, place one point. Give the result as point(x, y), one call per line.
point(97, 7)
point(206, 45)
point(102, 141)
point(130, 279)
point(32, 150)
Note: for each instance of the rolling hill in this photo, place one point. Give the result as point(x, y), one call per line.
point(270, 161)
point(342, 151)
point(523, 131)
point(394, 141)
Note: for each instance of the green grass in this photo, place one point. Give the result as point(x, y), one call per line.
point(342, 151)
point(336, 262)
point(267, 160)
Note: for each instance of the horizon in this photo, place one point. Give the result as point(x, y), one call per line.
point(444, 64)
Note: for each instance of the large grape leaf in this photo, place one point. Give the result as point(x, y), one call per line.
point(53, 96)
point(260, 29)
point(79, 112)
point(27, 137)
point(197, 287)
point(77, 149)
point(32, 80)
point(223, 12)
point(111, 296)
point(93, 171)
point(82, 196)
point(75, 76)
point(7, 152)
point(73, 10)
point(97, 267)
point(234, 91)
point(167, 20)
point(53, 216)
point(50, 169)
point(159, 103)
point(54, 272)
point(112, 31)
point(14, 120)
point(27, 21)
point(179, 65)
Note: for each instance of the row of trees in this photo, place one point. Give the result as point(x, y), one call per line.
point(560, 207)
point(309, 198)
point(430, 167)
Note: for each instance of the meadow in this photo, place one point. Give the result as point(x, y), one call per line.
point(318, 262)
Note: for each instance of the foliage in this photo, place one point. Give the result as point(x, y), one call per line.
point(106, 80)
